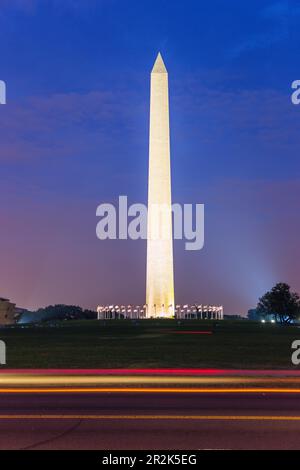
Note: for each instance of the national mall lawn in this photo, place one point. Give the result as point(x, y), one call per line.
point(150, 343)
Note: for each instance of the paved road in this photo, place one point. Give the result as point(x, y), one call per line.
point(147, 421)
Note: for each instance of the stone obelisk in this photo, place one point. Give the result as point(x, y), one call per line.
point(160, 279)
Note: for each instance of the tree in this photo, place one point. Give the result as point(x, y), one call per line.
point(281, 302)
point(254, 315)
point(57, 312)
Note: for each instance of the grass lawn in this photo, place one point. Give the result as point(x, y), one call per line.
point(150, 343)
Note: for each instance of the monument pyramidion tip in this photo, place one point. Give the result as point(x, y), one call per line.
point(159, 66)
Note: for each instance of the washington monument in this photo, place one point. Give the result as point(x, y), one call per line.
point(160, 278)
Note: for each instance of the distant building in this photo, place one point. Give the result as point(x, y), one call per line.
point(7, 312)
point(234, 317)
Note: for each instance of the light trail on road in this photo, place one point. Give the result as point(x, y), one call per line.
point(154, 417)
point(158, 371)
point(89, 380)
point(148, 381)
point(181, 419)
point(128, 390)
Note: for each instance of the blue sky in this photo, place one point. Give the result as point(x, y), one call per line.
point(74, 133)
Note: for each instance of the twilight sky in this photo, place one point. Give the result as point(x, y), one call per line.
point(74, 134)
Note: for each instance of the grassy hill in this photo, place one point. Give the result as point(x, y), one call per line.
point(150, 343)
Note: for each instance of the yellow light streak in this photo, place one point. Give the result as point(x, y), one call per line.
point(148, 390)
point(156, 417)
point(11, 380)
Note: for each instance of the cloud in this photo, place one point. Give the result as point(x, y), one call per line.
point(274, 24)
point(258, 41)
point(30, 5)
point(25, 5)
point(62, 124)
point(66, 124)
point(263, 117)
point(281, 10)
point(276, 10)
